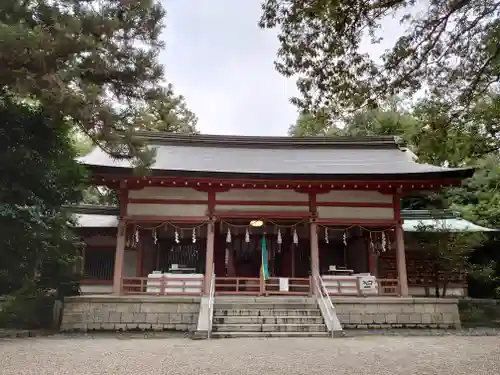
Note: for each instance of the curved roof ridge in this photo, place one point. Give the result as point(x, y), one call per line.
point(265, 141)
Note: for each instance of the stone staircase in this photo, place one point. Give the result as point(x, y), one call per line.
point(267, 317)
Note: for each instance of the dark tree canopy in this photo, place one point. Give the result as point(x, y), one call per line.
point(449, 47)
point(38, 176)
point(92, 62)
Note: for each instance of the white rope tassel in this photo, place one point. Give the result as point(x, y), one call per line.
point(194, 235)
point(247, 236)
point(228, 235)
point(155, 236)
point(176, 236)
point(295, 236)
point(279, 240)
point(327, 240)
point(384, 242)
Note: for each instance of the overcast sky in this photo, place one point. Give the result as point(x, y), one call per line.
point(218, 58)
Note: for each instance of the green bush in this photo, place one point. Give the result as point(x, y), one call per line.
point(479, 313)
point(27, 312)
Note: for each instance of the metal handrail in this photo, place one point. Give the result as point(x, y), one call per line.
point(325, 300)
point(211, 298)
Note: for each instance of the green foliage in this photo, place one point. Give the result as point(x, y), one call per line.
point(38, 175)
point(27, 308)
point(479, 313)
point(449, 48)
point(449, 251)
point(93, 64)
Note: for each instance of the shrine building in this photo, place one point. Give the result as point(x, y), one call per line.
point(225, 216)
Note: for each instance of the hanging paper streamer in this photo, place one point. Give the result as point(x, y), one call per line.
point(247, 236)
point(228, 236)
point(155, 236)
point(344, 238)
point(176, 236)
point(384, 242)
point(194, 235)
point(136, 237)
point(372, 245)
point(327, 240)
point(295, 236)
point(279, 240)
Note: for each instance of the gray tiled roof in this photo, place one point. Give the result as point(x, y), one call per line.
point(320, 156)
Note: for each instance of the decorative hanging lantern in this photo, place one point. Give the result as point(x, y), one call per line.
point(194, 235)
point(327, 240)
point(228, 236)
point(295, 236)
point(247, 236)
point(176, 236)
point(155, 236)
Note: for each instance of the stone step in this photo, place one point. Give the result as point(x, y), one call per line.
point(227, 335)
point(283, 319)
point(267, 312)
point(269, 328)
point(264, 306)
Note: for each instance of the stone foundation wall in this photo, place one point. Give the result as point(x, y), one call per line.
point(379, 312)
point(121, 313)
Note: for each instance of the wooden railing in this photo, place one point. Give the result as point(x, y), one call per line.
point(300, 286)
point(257, 286)
point(254, 286)
point(163, 285)
point(238, 285)
point(343, 286)
point(388, 287)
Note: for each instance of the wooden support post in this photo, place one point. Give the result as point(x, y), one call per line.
point(119, 258)
point(401, 261)
point(314, 253)
point(209, 262)
point(400, 249)
point(139, 258)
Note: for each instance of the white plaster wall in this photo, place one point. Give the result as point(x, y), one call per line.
point(166, 209)
point(418, 291)
point(262, 195)
point(167, 193)
point(354, 196)
point(232, 208)
point(96, 289)
point(355, 213)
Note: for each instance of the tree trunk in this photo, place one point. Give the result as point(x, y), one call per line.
point(445, 284)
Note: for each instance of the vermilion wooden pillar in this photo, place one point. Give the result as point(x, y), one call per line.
point(209, 264)
point(314, 252)
point(400, 248)
point(119, 258)
point(120, 240)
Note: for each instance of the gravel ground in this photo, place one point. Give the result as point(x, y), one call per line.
point(373, 355)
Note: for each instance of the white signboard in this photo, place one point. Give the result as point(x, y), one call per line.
point(367, 283)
